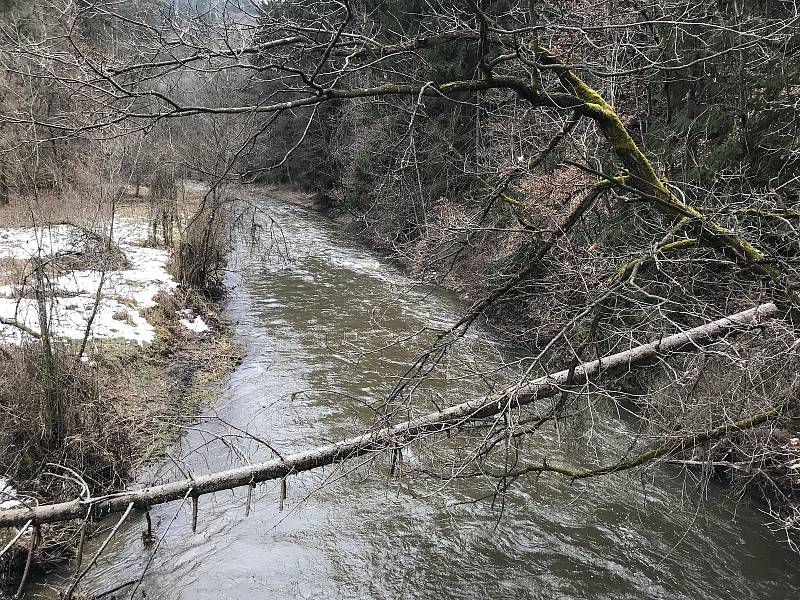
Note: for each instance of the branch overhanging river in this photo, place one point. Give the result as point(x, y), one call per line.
point(455, 416)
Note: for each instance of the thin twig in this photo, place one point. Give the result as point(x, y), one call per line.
point(16, 538)
point(28, 562)
point(99, 551)
point(158, 544)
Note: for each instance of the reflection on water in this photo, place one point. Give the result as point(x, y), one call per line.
point(317, 330)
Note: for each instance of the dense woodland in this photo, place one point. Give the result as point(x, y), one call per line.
point(588, 175)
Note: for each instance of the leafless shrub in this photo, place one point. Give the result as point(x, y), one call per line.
point(90, 440)
point(94, 446)
point(199, 258)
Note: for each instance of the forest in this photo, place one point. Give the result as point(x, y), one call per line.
point(608, 190)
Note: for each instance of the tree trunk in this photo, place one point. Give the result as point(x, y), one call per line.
point(54, 400)
point(376, 441)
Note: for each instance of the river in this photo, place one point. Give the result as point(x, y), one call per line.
point(316, 320)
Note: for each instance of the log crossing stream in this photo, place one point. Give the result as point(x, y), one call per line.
point(325, 326)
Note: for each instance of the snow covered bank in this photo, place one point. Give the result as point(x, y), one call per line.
point(123, 293)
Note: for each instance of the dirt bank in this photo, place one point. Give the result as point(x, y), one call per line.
point(154, 359)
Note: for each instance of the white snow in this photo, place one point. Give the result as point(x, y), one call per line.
point(124, 294)
point(25, 243)
point(8, 495)
point(197, 324)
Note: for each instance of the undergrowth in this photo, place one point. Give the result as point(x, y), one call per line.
point(123, 406)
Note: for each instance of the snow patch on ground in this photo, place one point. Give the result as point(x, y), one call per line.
point(197, 324)
point(8, 495)
point(124, 293)
point(25, 243)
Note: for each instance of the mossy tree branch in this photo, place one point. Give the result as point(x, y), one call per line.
point(668, 448)
point(644, 179)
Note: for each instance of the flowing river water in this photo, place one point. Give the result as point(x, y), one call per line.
point(316, 321)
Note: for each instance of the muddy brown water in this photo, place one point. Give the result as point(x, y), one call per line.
point(316, 322)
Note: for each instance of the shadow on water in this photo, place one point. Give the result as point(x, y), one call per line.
point(306, 325)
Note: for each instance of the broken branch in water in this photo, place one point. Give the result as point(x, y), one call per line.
point(378, 440)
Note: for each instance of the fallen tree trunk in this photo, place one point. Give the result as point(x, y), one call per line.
point(381, 439)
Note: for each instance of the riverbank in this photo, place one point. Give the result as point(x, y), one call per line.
point(153, 359)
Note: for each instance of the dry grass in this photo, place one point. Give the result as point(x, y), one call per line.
point(124, 408)
point(12, 271)
point(125, 405)
point(52, 207)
